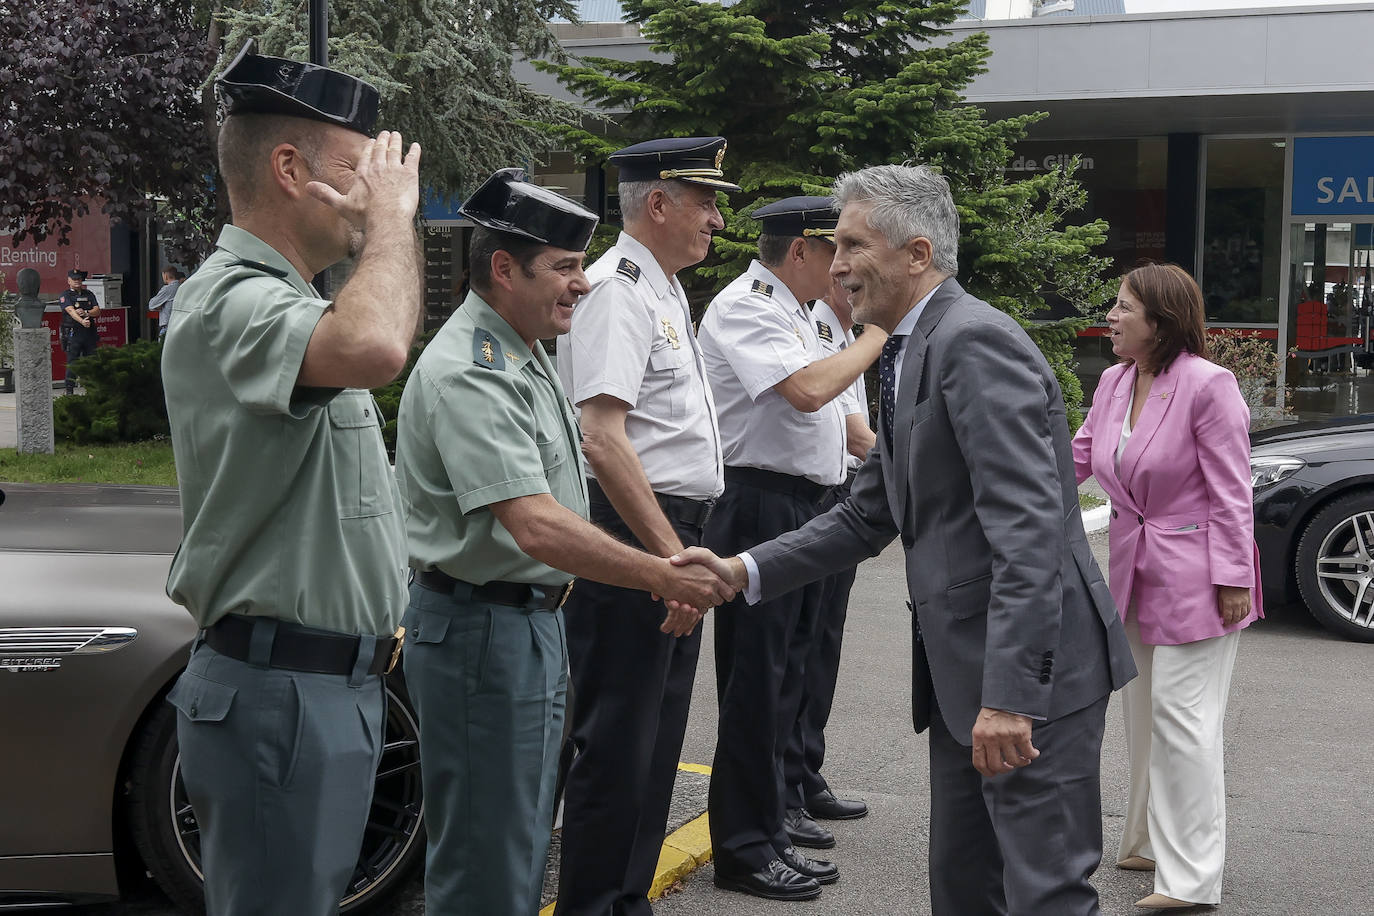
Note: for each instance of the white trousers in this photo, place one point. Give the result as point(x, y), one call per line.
point(1176, 810)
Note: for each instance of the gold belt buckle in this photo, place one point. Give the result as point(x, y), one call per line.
point(400, 637)
point(567, 590)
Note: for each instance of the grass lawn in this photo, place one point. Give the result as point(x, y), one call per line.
point(145, 463)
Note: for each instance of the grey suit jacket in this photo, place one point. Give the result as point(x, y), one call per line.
point(1010, 610)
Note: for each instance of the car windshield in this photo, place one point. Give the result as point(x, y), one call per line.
point(88, 518)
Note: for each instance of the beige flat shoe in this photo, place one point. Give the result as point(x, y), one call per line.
point(1161, 902)
point(1136, 863)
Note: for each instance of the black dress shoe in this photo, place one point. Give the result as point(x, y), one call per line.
point(803, 831)
point(775, 881)
point(827, 807)
point(823, 871)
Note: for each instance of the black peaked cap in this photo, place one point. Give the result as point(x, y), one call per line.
point(695, 160)
point(804, 216)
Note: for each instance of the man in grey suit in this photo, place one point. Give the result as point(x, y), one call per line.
point(1016, 641)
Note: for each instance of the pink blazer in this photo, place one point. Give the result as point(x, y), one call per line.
point(1182, 519)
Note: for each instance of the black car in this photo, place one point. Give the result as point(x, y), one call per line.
point(1314, 519)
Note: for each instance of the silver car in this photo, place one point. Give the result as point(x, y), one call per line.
point(89, 646)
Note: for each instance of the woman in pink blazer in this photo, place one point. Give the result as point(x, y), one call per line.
point(1167, 439)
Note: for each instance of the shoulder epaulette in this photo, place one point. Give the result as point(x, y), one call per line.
point(486, 351)
point(265, 268)
point(761, 287)
point(628, 269)
point(823, 329)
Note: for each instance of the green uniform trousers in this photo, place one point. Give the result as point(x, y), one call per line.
point(279, 768)
point(489, 684)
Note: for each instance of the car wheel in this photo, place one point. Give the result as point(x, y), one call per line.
point(1335, 566)
point(167, 835)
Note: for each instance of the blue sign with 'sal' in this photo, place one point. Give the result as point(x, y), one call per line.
point(1333, 176)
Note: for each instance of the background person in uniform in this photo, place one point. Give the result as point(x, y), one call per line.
point(784, 436)
point(806, 787)
point(293, 554)
point(163, 299)
point(488, 462)
point(632, 365)
point(1016, 641)
point(1168, 439)
point(77, 332)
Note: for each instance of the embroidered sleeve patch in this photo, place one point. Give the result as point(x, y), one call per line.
point(628, 269)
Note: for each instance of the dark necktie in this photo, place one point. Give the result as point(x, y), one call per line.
point(887, 382)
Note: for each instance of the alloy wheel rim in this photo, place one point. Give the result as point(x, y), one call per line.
point(1345, 569)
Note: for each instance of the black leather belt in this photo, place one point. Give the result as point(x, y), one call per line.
point(299, 648)
point(511, 594)
point(775, 482)
point(694, 512)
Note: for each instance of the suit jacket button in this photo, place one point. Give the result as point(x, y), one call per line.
point(1113, 513)
point(1140, 518)
point(1044, 678)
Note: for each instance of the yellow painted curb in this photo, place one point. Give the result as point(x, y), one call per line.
point(684, 850)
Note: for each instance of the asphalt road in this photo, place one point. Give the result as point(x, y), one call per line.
point(1299, 734)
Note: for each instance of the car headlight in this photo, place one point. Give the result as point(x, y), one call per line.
point(1267, 471)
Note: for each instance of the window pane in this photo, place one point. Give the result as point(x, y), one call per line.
point(1242, 228)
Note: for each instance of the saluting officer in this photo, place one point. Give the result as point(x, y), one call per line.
point(633, 367)
point(806, 788)
point(77, 333)
point(293, 554)
point(491, 476)
point(784, 437)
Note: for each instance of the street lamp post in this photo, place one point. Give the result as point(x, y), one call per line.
point(319, 32)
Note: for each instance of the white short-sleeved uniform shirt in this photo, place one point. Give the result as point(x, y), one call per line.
point(754, 335)
point(632, 338)
point(833, 338)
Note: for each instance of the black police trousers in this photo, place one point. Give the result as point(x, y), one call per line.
point(632, 689)
point(761, 654)
point(806, 746)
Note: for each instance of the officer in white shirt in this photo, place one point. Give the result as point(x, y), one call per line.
point(806, 787)
point(783, 433)
point(632, 366)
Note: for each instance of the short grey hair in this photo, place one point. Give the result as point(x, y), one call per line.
point(634, 195)
point(909, 201)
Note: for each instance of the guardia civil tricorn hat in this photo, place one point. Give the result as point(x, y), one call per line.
point(254, 84)
point(695, 160)
point(507, 202)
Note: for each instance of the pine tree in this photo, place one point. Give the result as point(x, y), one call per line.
point(806, 89)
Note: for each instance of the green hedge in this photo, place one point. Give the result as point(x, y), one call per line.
point(123, 402)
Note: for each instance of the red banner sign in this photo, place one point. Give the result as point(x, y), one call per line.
point(112, 323)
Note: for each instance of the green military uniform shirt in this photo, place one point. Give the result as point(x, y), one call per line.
point(483, 419)
point(289, 506)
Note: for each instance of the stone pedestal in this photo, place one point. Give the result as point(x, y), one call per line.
point(33, 382)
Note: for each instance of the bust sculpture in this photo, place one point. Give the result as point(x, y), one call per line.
point(29, 310)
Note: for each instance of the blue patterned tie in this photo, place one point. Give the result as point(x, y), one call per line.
point(887, 382)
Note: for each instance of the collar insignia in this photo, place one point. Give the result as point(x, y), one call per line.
point(761, 287)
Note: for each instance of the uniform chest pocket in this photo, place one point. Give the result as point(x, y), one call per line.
point(548, 436)
point(671, 377)
point(362, 474)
